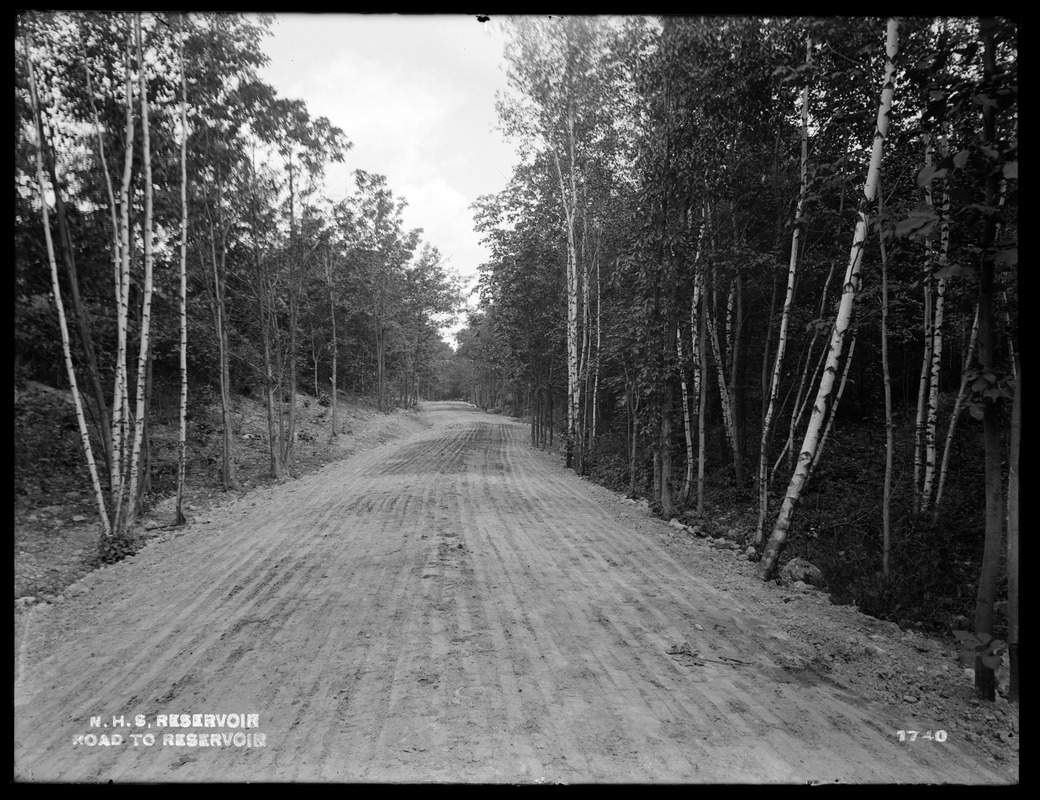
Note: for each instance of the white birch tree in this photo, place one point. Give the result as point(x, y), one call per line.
point(844, 317)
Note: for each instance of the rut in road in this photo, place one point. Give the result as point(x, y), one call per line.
point(455, 607)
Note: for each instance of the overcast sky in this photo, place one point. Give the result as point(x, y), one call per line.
point(416, 96)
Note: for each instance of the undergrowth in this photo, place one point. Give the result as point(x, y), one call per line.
point(933, 565)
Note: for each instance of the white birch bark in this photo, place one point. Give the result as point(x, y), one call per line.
point(182, 440)
point(923, 391)
point(146, 307)
point(702, 387)
point(688, 477)
point(697, 328)
point(66, 346)
point(120, 399)
point(785, 316)
point(727, 414)
point(801, 404)
point(595, 381)
point(834, 407)
point(569, 207)
point(935, 371)
point(850, 286)
point(586, 327)
point(802, 398)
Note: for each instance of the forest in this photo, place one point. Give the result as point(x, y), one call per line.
point(771, 265)
point(186, 239)
point(762, 267)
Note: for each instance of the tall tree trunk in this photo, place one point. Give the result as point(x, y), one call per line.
point(217, 257)
point(785, 316)
point(801, 398)
point(1012, 540)
point(988, 574)
point(81, 420)
point(832, 416)
point(665, 447)
point(720, 372)
point(958, 406)
point(144, 485)
point(583, 364)
point(851, 284)
point(293, 266)
point(937, 349)
point(146, 303)
point(182, 438)
point(736, 382)
point(569, 199)
point(928, 287)
point(687, 425)
point(114, 458)
point(271, 385)
point(886, 502)
point(800, 405)
point(767, 353)
point(79, 311)
point(702, 393)
point(335, 344)
point(121, 399)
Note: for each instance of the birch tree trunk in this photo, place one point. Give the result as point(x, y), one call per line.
point(79, 311)
point(785, 317)
point(736, 393)
point(182, 439)
point(583, 364)
point(81, 420)
point(697, 359)
point(121, 399)
point(117, 260)
point(702, 369)
point(798, 410)
point(834, 406)
point(924, 381)
point(335, 342)
point(802, 398)
point(599, 343)
point(688, 477)
point(767, 353)
point(808, 450)
point(146, 302)
point(227, 470)
point(927, 486)
point(570, 208)
point(720, 371)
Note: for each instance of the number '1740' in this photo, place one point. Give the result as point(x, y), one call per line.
point(912, 736)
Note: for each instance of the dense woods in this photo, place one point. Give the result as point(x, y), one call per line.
point(186, 237)
point(766, 264)
point(744, 265)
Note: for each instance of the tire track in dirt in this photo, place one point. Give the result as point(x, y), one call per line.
point(568, 640)
point(734, 724)
point(452, 607)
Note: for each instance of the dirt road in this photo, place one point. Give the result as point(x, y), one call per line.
point(452, 607)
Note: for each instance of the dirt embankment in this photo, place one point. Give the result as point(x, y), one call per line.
point(55, 516)
point(456, 606)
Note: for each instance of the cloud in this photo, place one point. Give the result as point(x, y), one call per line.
point(443, 213)
point(415, 95)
